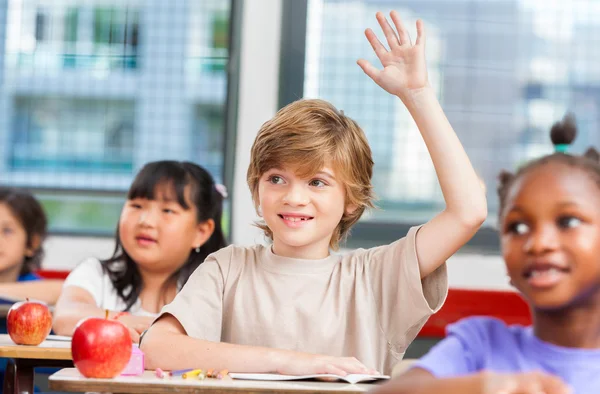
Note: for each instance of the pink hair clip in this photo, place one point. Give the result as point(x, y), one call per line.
point(222, 190)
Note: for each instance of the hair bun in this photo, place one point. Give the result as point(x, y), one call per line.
point(564, 132)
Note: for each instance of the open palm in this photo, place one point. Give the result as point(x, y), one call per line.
point(404, 67)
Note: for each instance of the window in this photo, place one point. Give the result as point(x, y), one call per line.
point(91, 91)
point(55, 134)
point(67, 34)
point(502, 70)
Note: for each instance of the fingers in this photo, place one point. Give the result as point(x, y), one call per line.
point(332, 369)
point(368, 69)
point(420, 33)
point(352, 365)
point(390, 34)
point(135, 336)
point(377, 46)
point(553, 385)
point(402, 32)
point(140, 328)
point(403, 37)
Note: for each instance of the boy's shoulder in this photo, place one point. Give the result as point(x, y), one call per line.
point(401, 248)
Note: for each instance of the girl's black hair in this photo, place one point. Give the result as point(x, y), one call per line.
point(562, 133)
point(121, 268)
point(30, 214)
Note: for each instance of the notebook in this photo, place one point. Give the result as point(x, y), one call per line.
point(351, 378)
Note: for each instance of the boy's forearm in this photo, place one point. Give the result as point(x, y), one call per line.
point(197, 353)
point(462, 189)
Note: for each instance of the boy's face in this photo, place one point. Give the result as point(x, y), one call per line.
point(550, 236)
point(302, 213)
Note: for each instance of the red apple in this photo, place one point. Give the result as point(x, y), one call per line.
point(29, 322)
point(101, 348)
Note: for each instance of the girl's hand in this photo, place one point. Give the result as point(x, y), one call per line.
point(295, 363)
point(404, 69)
point(136, 325)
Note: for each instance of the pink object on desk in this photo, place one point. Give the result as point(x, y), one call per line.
point(136, 363)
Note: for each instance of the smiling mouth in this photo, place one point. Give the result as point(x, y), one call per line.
point(545, 276)
point(296, 218)
point(535, 272)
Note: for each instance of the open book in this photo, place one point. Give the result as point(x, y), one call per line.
point(352, 378)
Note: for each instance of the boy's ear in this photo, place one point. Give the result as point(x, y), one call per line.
point(34, 245)
point(204, 231)
point(351, 208)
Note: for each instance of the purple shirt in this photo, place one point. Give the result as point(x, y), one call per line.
point(482, 343)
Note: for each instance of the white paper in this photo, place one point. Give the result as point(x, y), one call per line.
point(61, 338)
point(351, 378)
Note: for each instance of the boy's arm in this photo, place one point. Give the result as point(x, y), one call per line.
point(168, 334)
point(405, 75)
point(46, 290)
point(420, 381)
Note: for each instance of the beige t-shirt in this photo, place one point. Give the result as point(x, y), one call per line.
point(369, 304)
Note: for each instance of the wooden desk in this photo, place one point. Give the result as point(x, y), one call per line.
point(70, 380)
point(19, 371)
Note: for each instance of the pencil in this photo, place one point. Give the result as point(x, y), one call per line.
point(191, 374)
point(181, 371)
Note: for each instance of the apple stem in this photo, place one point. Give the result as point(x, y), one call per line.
point(106, 314)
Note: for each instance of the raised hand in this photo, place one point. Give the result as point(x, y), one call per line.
point(404, 68)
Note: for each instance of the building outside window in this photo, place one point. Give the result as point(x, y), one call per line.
point(504, 71)
point(92, 90)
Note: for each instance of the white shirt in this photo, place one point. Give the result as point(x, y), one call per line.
point(90, 276)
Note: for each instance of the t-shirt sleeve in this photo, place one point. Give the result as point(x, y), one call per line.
point(89, 276)
point(199, 304)
point(461, 352)
point(403, 300)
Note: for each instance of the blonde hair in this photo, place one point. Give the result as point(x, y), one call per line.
point(311, 134)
